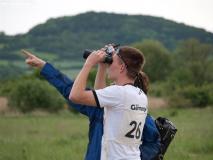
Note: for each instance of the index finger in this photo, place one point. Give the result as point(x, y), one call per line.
point(28, 54)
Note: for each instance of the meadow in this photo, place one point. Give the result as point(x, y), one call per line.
point(64, 136)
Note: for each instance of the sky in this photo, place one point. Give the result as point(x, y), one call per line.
point(19, 16)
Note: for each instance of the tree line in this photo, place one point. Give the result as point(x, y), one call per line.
point(183, 76)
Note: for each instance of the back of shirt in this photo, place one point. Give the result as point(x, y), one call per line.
point(125, 110)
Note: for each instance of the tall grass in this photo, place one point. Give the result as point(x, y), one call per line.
point(64, 136)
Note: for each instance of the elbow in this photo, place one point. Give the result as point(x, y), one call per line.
point(73, 97)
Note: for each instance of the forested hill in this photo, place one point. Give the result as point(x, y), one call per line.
point(69, 36)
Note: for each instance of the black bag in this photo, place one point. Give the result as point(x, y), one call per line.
point(167, 131)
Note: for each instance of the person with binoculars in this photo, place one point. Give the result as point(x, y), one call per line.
point(125, 102)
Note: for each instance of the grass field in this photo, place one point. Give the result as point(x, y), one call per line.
point(64, 136)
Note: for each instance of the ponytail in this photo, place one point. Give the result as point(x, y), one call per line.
point(142, 81)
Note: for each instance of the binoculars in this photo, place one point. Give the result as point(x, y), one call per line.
point(109, 49)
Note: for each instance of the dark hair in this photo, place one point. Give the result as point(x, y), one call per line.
point(134, 61)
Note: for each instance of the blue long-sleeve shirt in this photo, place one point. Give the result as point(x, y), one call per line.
point(95, 115)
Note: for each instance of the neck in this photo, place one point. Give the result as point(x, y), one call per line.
point(123, 81)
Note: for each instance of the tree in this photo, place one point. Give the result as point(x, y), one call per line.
point(158, 62)
point(196, 58)
point(190, 83)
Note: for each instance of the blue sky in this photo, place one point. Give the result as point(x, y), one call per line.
point(18, 16)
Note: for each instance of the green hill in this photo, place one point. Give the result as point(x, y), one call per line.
point(64, 39)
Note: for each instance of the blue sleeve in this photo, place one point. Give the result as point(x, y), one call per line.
point(63, 84)
point(151, 140)
point(150, 132)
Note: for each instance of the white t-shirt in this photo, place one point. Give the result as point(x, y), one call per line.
point(125, 110)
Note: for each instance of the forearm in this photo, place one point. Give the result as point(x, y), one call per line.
point(57, 79)
point(78, 93)
point(100, 79)
point(79, 85)
point(64, 85)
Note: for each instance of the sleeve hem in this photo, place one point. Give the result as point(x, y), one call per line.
point(96, 98)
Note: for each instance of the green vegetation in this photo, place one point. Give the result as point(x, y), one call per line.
point(183, 77)
point(29, 93)
point(64, 135)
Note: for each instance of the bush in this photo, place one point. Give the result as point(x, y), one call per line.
point(192, 96)
point(29, 94)
point(199, 96)
point(159, 89)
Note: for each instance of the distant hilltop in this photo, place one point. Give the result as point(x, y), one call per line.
point(66, 38)
point(69, 36)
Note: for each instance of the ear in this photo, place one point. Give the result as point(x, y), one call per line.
point(122, 68)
